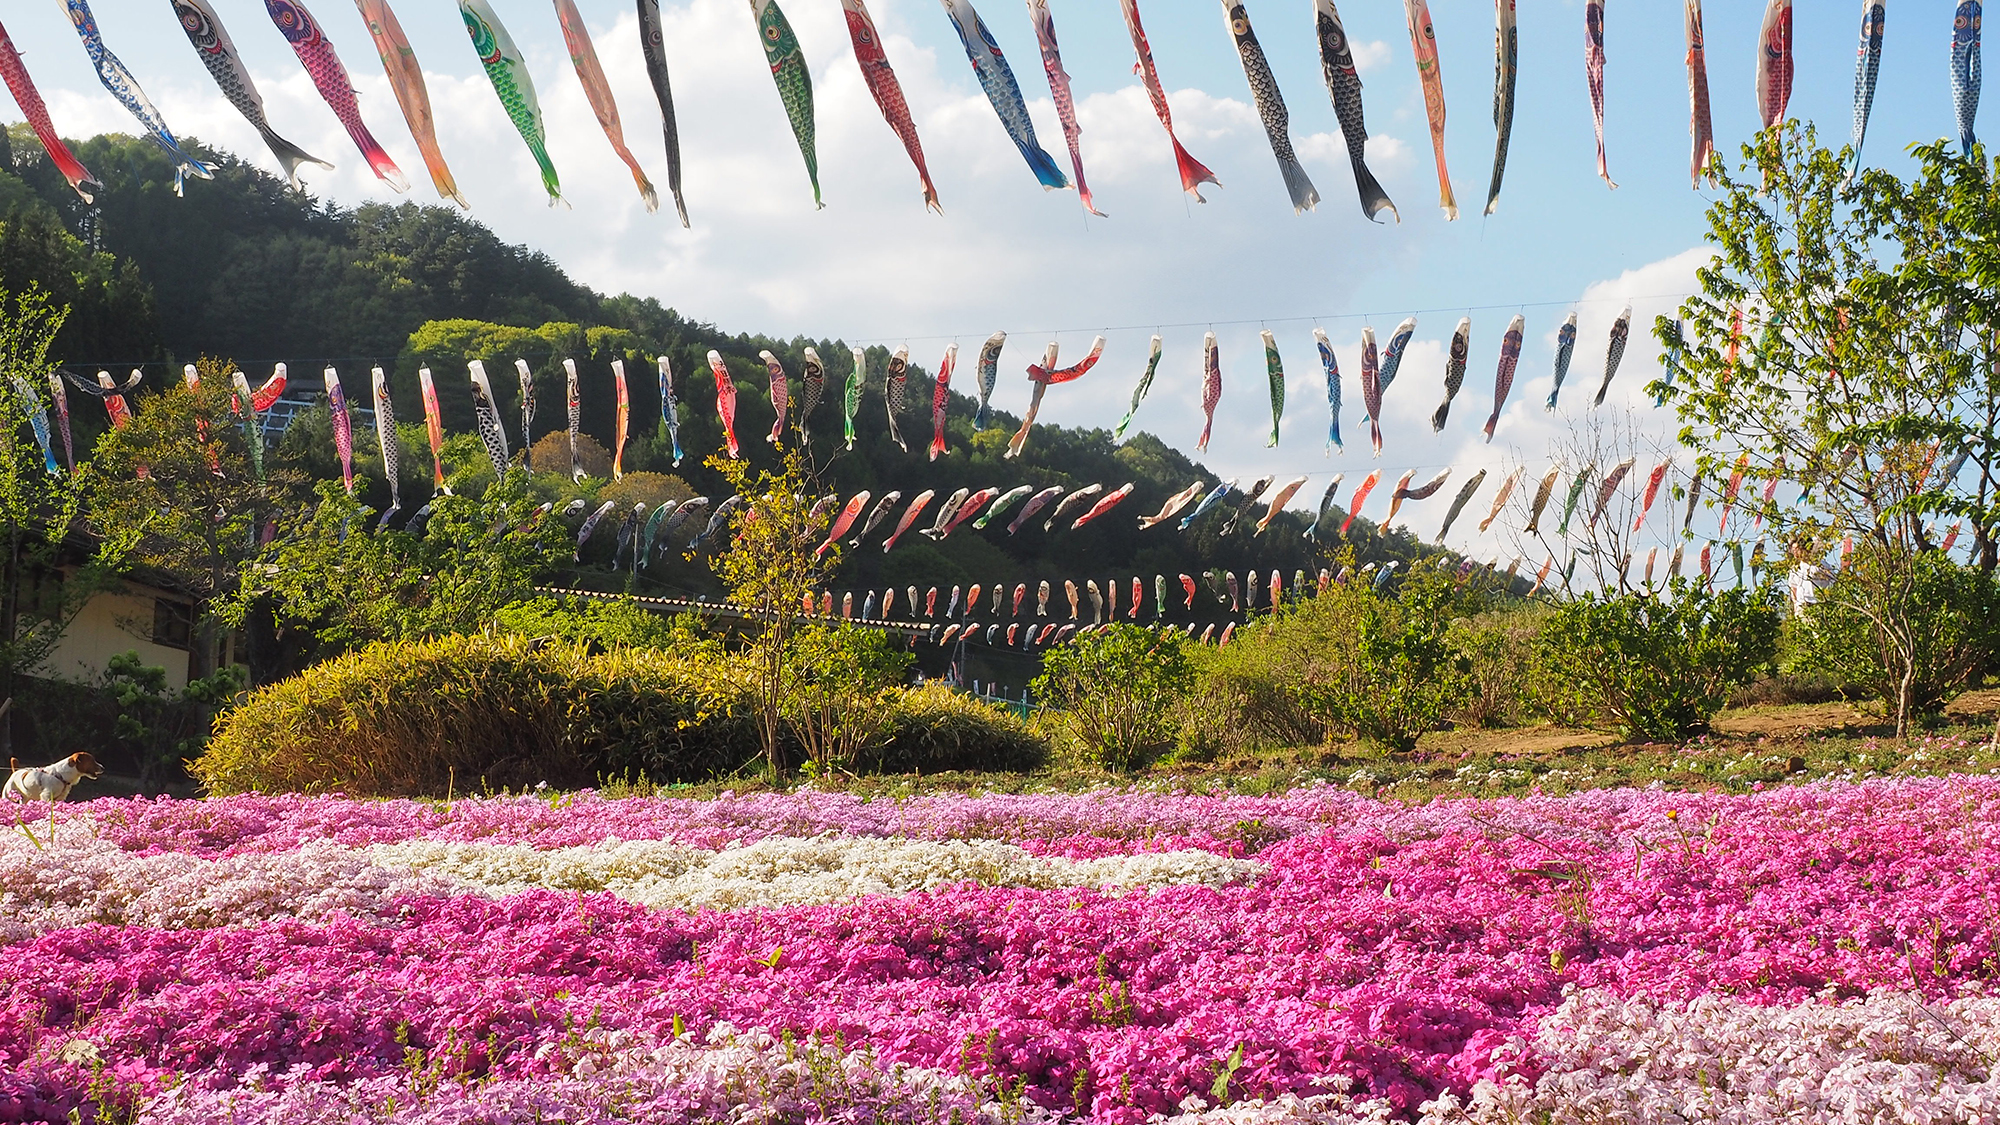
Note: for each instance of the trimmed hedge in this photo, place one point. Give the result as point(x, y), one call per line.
point(416, 718)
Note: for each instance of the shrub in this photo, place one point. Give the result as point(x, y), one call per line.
point(932, 728)
point(606, 623)
point(833, 703)
point(1655, 667)
point(1113, 692)
point(416, 717)
point(1243, 697)
point(1500, 645)
point(1912, 632)
point(1385, 667)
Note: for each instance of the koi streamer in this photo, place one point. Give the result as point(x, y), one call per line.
point(1226, 488)
point(1506, 66)
point(218, 54)
point(1392, 355)
point(1371, 385)
point(1965, 69)
point(1278, 501)
point(670, 413)
point(725, 401)
point(1454, 370)
point(38, 421)
point(987, 374)
point(1326, 498)
point(888, 93)
point(1000, 505)
point(1700, 127)
point(653, 45)
point(1423, 44)
point(575, 402)
point(30, 100)
point(597, 91)
point(1421, 492)
point(1045, 37)
point(910, 515)
point(1193, 173)
point(1867, 63)
point(851, 399)
point(1110, 501)
point(812, 374)
point(624, 421)
point(508, 74)
point(1270, 107)
point(343, 428)
point(253, 424)
point(844, 521)
point(1503, 375)
point(1653, 481)
point(1211, 387)
point(1047, 374)
point(434, 424)
point(780, 395)
point(793, 79)
point(1139, 392)
point(940, 398)
point(1593, 73)
point(1458, 503)
point(875, 517)
point(527, 404)
point(1274, 368)
point(1774, 62)
point(316, 54)
point(1575, 492)
point(1361, 492)
point(996, 79)
point(486, 417)
point(116, 79)
point(1343, 86)
point(895, 392)
point(1332, 367)
point(1565, 347)
point(1172, 507)
point(385, 434)
point(61, 399)
point(406, 80)
point(1500, 500)
point(1621, 331)
point(1542, 499)
point(1609, 487)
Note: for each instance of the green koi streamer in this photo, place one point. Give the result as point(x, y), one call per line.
point(1139, 392)
point(852, 402)
point(1275, 369)
point(516, 90)
point(788, 70)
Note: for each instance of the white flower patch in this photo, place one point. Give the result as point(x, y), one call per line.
point(1889, 1057)
point(789, 871)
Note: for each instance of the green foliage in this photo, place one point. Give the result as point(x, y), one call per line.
point(1115, 692)
point(466, 712)
point(1657, 668)
point(333, 576)
point(606, 623)
point(1913, 637)
point(1385, 667)
point(838, 677)
point(1500, 646)
point(157, 728)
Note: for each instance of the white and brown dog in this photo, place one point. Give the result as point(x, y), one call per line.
point(49, 783)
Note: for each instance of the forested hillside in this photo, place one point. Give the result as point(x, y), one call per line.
point(245, 269)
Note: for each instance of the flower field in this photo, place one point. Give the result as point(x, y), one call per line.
point(1819, 952)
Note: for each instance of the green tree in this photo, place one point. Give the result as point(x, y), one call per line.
point(175, 489)
point(835, 703)
point(770, 569)
point(332, 576)
point(1947, 615)
point(39, 509)
point(1843, 345)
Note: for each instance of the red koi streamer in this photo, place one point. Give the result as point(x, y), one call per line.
point(940, 398)
point(725, 400)
point(1193, 173)
point(37, 113)
point(1360, 497)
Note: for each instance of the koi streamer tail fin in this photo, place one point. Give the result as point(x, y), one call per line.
point(1193, 172)
point(1304, 196)
point(1373, 199)
point(291, 156)
point(1044, 167)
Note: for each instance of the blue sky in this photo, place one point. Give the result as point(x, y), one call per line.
point(875, 267)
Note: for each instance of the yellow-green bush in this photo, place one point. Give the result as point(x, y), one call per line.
point(492, 711)
point(417, 717)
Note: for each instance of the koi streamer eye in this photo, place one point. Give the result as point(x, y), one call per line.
point(1240, 26)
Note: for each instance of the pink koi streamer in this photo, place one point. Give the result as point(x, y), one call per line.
point(343, 428)
point(881, 80)
point(780, 395)
point(940, 398)
point(1503, 376)
point(1193, 173)
point(1045, 35)
point(1211, 387)
point(37, 113)
point(1044, 375)
point(1361, 492)
point(1774, 62)
point(1278, 501)
point(1700, 125)
point(316, 53)
point(1371, 386)
point(597, 91)
point(61, 399)
point(725, 401)
point(910, 515)
point(1730, 490)
point(1593, 73)
point(1609, 488)
point(406, 79)
point(1506, 490)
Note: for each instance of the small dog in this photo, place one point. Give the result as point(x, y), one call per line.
point(49, 783)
